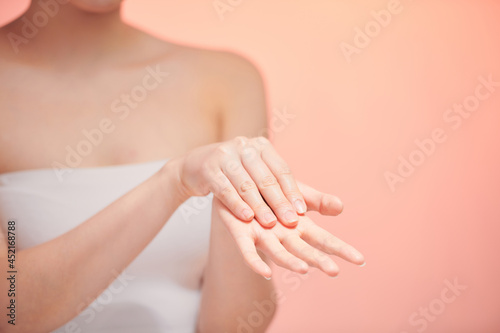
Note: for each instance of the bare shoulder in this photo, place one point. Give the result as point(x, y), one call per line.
point(210, 63)
point(227, 69)
point(238, 87)
point(226, 83)
point(227, 66)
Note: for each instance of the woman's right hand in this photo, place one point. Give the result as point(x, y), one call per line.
point(248, 176)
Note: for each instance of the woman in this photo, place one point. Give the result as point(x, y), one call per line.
point(109, 136)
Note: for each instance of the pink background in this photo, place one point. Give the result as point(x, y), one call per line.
point(353, 121)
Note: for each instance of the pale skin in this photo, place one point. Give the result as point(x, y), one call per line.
point(206, 118)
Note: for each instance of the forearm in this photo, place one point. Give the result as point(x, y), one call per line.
point(231, 290)
point(57, 276)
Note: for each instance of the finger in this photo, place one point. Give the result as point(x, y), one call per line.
point(251, 257)
point(269, 188)
point(248, 191)
point(314, 257)
point(325, 204)
point(326, 242)
point(275, 251)
point(222, 188)
point(283, 174)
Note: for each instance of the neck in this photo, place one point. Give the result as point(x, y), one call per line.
point(57, 33)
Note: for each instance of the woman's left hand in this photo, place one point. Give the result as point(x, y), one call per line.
point(292, 248)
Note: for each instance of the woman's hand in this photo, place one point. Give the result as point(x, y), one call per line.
point(293, 248)
point(248, 176)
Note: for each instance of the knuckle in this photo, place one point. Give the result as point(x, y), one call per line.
point(247, 185)
point(268, 181)
point(263, 208)
point(330, 244)
point(262, 140)
point(282, 204)
point(321, 258)
point(232, 166)
point(284, 170)
point(323, 204)
point(293, 194)
point(226, 192)
point(224, 149)
point(241, 140)
point(278, 205)
point(248, 153)
point(259, 142)
point(293, 197)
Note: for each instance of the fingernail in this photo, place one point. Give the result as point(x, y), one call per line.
point(290, 216)
point(269, 217)
point(267, 278)
point(303, 267)
point(363, 264)
point(340, 204)
point(247, 213)
point(300, 206)
point(357, 255)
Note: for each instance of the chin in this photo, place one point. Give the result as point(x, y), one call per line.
point(97, 6)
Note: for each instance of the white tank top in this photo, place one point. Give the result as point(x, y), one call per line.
point(160, 290)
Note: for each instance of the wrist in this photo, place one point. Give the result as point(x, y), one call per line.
point(170, 175)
